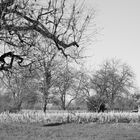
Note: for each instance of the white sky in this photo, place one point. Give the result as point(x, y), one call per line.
point(120, 37)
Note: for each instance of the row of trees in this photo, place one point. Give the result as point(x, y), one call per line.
point(64, 87)
point(112, 84)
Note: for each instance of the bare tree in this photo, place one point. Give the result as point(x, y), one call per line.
point(33, 33)
point(112, 80)
point(24, 23)
point(45, 68)
point(67, 86)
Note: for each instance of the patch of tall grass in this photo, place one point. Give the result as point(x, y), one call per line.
point(69, 117)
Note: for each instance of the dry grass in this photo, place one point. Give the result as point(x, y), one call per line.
point(69, 117)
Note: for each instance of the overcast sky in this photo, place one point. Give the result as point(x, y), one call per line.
point(120, 36)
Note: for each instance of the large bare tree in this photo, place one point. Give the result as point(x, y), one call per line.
point(114, 79)
point(23, 23)
point(32, 32)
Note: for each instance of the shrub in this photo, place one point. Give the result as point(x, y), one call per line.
point(94, 102)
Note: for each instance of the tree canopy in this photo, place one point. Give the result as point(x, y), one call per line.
point(26, 23)
point(114, 79)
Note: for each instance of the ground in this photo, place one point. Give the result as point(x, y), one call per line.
point(91, 131)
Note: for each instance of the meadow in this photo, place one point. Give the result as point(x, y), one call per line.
point(70, 125)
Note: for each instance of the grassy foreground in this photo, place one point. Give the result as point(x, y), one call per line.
point(90, 131)
point(60, 125)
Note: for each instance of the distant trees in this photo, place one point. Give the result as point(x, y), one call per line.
point(66, 86)
point(4, 102)
point(20, 88)
point(113, 80)
point(136, 99)
point(125, 104)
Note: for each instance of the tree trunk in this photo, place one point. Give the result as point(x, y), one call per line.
point(112, 101)
point(45, 106)
point(47, 81)
point(63, 100)
point(63, 106)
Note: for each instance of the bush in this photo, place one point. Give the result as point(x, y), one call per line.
point(94, 102)
point(5, 101)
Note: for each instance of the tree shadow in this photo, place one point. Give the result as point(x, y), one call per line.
point(53, 124)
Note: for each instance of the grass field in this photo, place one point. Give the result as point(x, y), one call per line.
point(90, 131)
point(61, 125)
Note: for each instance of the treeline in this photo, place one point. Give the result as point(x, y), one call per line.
point(66, 87)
